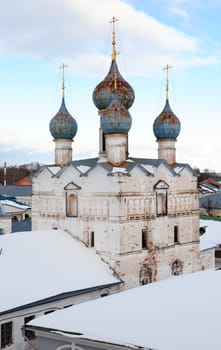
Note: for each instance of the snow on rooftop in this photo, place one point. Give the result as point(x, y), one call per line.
point(83, 168)
point(212, 236)
point(39, 264)
point(119, 170)
point(178, 313)
point(150, 168)
point(102, 160)
point(178, 169)
point(14, 204)
point(54, 169)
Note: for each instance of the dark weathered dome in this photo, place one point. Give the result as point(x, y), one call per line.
point(166, 125)
point(63, 125)
point(115, 119)
point(113, 84)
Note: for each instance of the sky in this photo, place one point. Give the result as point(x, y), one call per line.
point(37, 36)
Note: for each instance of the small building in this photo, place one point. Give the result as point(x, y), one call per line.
point(179, 313)
point(209, 186)
point(210, 205)
point(25, 181)
point(44, 271)
point(22, 193)
point(211, 238)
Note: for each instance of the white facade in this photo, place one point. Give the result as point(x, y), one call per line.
point(142, 218)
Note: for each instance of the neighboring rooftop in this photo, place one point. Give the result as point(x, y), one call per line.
point(212, 235)
point(25, 181)
point(178, 313)
point(16, 191)
point(211, 201)
point(57, 263)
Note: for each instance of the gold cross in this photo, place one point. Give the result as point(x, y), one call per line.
point(113, 21)
point(62, 67)
point(166, 68)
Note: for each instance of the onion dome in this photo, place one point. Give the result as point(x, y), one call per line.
point(113, 84)
point(166, 125)
point(115, 119)
point(63, 125)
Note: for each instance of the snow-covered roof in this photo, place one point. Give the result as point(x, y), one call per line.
point(179, 313)
point(15, 204)
point(212, 236)
point(149, 166)
point(41, 264)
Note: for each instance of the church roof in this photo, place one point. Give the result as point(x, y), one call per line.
point(181, 312)
point(147, 165)
point(58, 264)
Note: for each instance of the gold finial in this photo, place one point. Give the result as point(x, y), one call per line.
point(113, 21)
point(114, 53)
point(166, 68)
point(62, 67)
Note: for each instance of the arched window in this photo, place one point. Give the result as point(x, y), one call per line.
point(177, 267)
point(72, 205)
point(145, 276)
point(161, 204)
point(161, 189)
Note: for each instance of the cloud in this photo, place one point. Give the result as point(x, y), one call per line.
point(77, 31)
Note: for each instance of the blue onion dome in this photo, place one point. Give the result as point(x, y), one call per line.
point(63, 125)
point(113, 83)
point(115, 119)
point(166, 125)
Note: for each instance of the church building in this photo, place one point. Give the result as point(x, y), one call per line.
point(140, 215)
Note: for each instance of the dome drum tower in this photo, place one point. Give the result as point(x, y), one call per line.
point(166, 128)
point(113, 97)
point(63, 128)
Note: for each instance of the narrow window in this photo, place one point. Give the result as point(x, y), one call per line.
point(177, 268)
point(6, 334)
point(29, 334)
point(145, 275)
point(104, 142)
point(144, 238)
point(161, 204)
point(92, 239)
point(175, 234)
point(72, 205)
point(105, 293)
point(48, 312)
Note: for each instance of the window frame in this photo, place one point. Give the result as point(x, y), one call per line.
point(30, 335)
point(6, 334)
point(69, 203)
point(176, 234)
